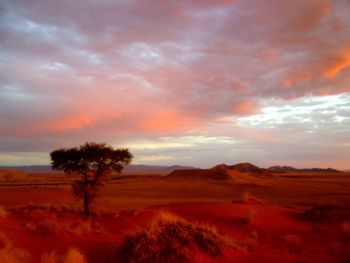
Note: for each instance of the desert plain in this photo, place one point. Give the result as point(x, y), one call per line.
point(256, 216)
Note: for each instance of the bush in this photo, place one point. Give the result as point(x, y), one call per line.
point(345, 231)
point(248, 219)
point(169, 238)
point(293, 243)
point(56, 226)
point(3, 212)
point(248, 198)
point(11, 176)
point(325, 212)
point(51, 220)
point(10, 254)
point(73, 255)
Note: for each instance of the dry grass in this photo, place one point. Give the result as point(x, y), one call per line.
point(293, 243)
point(3, 212)
point(34, 210)
point(11, 254)
point(53, 225)
point(330, 213)
point(248, 198)
point(249, 218)
point(73, 255)
point(169, 238)
point(345, 231)
point(51, 220)
point(10, 176)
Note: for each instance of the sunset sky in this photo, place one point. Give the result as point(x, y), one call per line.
point(177, 82)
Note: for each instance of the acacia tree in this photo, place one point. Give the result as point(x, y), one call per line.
point(92, 161)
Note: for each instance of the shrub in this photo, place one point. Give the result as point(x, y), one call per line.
point(51, 220)
point(169, 238)
point(3, 212)
point(248, 198)
point(10, 254)
point(248, 219)
point(56, 226)
point(73, 255)
point(293, 243)
point(345, 231)
point(43, 210)
point(325, 212)
point(10, 176)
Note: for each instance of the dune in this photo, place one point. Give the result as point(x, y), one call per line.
point(241, 172)
point(242, 167)
point(219, 174)
point(204, 174)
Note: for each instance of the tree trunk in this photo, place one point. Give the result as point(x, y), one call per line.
point(86, 203)
point(86, 196)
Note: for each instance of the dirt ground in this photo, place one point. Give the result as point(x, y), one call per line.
point(280, 218)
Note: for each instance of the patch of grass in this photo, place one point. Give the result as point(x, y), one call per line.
point(11, 254)
point(345, 231)
point(3, 212)
point(169, 238)
point(325, 212)
point(73, 255)
point(248, 198)
point(293, 243)
point(51, 220)
point(249, 218)
point(34, 210)
point(131, 212)
point(54, 225)
point(11, 176)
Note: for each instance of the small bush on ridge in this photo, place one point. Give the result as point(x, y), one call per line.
point(169, 238)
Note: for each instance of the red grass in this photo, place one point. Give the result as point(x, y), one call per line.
point(169, 238)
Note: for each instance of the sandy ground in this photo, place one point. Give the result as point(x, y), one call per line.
point(264, 216)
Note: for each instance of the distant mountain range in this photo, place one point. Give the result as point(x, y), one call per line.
point(140, 168)
point(251, 168)
point(290, 169)
point(133, 168)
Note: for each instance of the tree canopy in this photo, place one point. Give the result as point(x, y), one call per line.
point(93, 161)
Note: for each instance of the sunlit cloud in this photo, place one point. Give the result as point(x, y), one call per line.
point(340, 64)
point(176, 76)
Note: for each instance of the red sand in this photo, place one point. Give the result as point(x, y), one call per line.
point(273, 234)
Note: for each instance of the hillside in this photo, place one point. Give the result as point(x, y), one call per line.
point(243, 168)
point(241, 172)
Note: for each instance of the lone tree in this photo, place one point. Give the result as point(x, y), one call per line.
point(92, 161)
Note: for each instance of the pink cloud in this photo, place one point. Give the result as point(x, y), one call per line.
point(162, 67)
point(339, 64)
point(246, 108)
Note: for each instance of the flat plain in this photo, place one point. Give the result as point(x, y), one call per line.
point(289, 217)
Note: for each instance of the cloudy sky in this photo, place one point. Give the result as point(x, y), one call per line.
point(177, 82)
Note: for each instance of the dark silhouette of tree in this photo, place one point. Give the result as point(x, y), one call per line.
point(92, 161)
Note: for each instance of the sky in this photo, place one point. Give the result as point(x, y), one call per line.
point(177, 82)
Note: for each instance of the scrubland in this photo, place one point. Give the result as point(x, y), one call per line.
point(290, 217)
